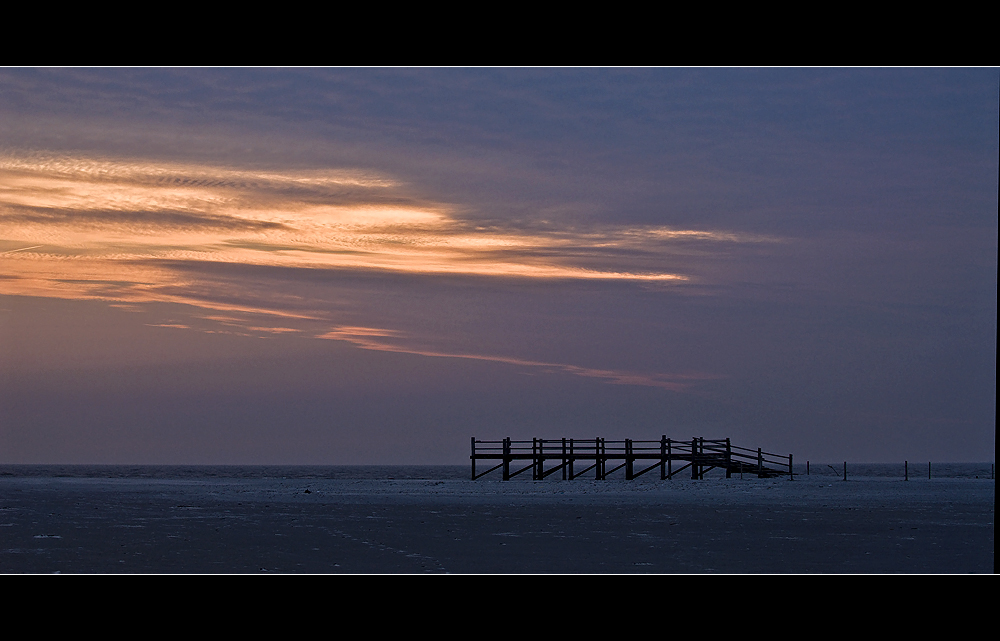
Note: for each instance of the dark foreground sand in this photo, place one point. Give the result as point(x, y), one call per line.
point(85, 525)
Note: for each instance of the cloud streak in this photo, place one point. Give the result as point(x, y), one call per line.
point(144, 232)
point(378, 339)
point(119, 211)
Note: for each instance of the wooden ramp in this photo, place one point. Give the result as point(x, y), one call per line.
point(597, 458)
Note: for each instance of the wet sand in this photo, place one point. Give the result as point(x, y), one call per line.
point(812, 525)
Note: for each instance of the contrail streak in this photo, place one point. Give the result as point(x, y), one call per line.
point(11, 251)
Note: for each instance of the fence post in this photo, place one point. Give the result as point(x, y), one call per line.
point(760, 463)
point(506, 459)
point(906, 470)
point(670, 461)
point(663, 457)
point(791, 473)
point(473, 458)
point(845, 470)
point(729, 460)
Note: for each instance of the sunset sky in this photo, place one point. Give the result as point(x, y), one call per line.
point(354, 266)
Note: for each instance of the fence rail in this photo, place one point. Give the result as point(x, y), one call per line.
point(699, 455)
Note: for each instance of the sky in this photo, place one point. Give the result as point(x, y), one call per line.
point(374, 265)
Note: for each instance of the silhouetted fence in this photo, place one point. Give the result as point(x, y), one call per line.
point(906, 470)
point(600, 457)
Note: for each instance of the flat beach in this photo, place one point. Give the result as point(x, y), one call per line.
point(815, 524)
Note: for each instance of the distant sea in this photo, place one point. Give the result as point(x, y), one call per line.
point(917, 470)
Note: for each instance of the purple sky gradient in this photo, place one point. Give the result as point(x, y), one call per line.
point(353, 266)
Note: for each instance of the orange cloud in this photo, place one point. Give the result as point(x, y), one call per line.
point(53, 209)
point(134, 233)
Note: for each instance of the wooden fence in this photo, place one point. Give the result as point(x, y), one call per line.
point(600, 457)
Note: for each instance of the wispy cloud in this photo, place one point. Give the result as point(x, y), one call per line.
point(135, 233)
point(65, 208)
point(387, 340)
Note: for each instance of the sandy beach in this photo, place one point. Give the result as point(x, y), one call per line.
point(316, 525)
